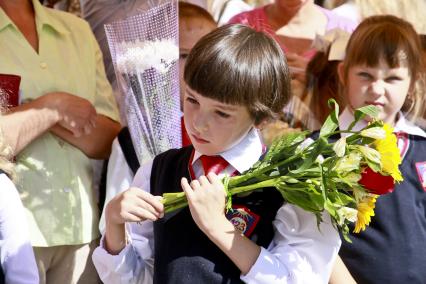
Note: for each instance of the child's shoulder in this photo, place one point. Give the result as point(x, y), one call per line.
point(172, 159)
point(175, 153)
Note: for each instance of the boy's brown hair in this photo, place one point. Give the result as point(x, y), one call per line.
point(394, 40)
point(237, 65)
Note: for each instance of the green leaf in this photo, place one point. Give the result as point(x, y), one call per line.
point(331, 209)
point(284, 146)
point(320, 145)
point(370, 110)
point(331, 123)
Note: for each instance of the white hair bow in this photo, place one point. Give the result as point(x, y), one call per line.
point(336, 40)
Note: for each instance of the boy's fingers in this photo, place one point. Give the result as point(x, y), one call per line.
point(195, 184)
point(142, 205)
point(129, 217)
point(213, 178)
point(186, 188)
point(144, 214)
point(203, 180)
point(150, 199)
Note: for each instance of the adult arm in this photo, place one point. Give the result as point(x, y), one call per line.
point(24, 123)
point(96, 144)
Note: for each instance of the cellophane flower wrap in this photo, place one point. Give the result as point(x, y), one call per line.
point(145, 52)
point(320, 175)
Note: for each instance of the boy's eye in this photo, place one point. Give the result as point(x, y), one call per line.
point(222, 114)
point(183, 55)
point(191, 100)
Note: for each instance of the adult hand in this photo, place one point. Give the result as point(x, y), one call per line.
point(76, 114)
point(206, 199)
point(134, 205)
point(297, 65)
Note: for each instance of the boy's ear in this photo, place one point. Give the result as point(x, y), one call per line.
point(340, 73)
point(262, 124)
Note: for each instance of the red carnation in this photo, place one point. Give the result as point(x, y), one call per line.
point(376, 183)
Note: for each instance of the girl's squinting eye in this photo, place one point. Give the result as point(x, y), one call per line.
point(393, 78)
point(222, 114)
point(364, 75)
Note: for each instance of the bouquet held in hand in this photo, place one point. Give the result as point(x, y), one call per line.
point(344, 177)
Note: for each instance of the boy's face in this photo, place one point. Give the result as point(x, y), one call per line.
point(212, 126)
point(190, 31)
point(381, 86)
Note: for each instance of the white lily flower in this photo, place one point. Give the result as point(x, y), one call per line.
point(347, 213)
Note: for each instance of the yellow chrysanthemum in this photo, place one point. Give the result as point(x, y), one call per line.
point(389, 153)
point(365, 212)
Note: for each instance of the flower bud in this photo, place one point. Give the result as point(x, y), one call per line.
point(340, 147)
point(374, 132)
point(348, 163)
point(370, 154)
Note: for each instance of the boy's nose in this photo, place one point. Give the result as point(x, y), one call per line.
point(201, 123)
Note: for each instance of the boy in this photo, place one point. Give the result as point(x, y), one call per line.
point(236, 79)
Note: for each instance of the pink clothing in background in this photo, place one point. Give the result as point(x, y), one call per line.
point(258, 20)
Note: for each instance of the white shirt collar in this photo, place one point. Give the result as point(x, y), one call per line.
point(402, 125)
point(243, 155)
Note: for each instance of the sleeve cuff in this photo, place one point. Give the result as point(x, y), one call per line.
point(266, 269)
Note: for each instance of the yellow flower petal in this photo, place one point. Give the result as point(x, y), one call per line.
point(365, 212)
point(389, 153)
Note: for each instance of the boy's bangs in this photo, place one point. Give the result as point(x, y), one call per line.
point(217, 81)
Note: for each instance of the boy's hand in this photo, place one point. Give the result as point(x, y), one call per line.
point(134, 205)
point(206, 199)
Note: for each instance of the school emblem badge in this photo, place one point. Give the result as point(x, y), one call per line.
point(243, 219)
point(421, 172)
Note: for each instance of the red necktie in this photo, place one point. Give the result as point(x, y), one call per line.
point(215, 164)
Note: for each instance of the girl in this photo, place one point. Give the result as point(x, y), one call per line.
point(226, 98)
point(381, 68)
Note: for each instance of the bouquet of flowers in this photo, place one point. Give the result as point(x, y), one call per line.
point(344, 177)
point(144, 50)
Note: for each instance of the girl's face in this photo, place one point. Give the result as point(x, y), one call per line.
point(291, 5)
point(382, 86)
point(213, 126)
point(190, 31)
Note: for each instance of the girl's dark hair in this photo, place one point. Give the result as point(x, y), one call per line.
point(237, 65)
point(322, 84)
point(392, 39)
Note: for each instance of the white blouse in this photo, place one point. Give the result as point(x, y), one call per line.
point(16, 253)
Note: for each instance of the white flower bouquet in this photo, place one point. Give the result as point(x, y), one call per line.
point(145, 54)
